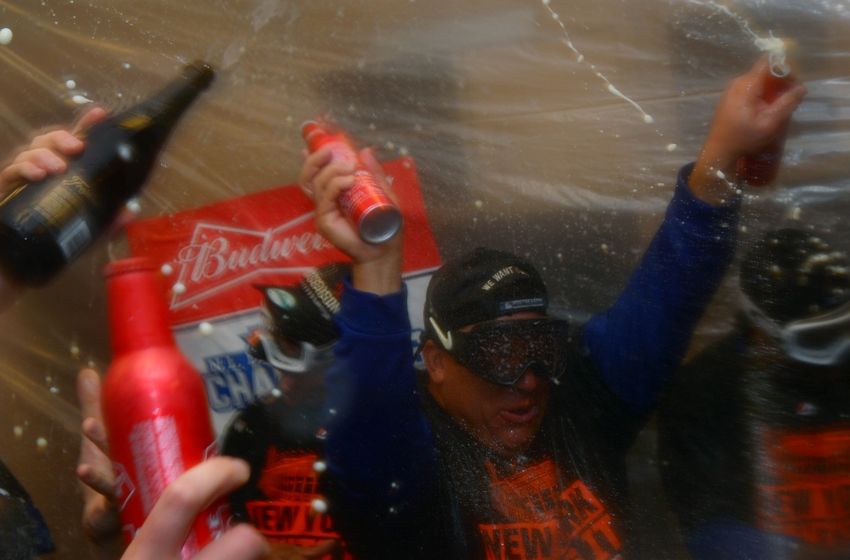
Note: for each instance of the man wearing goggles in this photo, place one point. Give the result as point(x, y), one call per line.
point(760, 416)
point(512, 443)
point(280, 435)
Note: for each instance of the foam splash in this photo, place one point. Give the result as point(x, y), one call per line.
point(774, 47)
point(610, 87)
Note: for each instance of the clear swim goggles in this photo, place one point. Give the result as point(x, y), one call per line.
point(820, 340)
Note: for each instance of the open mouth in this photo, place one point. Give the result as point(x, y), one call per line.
point(520, 414)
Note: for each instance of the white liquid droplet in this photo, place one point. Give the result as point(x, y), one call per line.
point(479, 203)
point(134, 206)
point(41, 443)
point(125, 151)
point(277, 393)
point(179, 288)
point(720, 175)
point(18, 431)
point(6, 36)
point(166, 270)
point(54, 390)
point(206, 328)
point(320, 466)
point(126, 65)
point(75, 351)
point(81, 99)
point(70, 84)
point(671, 147)
point(319, 505)
point(648, 119)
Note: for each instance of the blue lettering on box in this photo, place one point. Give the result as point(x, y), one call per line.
point(235, 380)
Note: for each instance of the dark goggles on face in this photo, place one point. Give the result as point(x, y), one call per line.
point(502, 351)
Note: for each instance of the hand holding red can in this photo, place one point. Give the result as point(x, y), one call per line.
point(376, 218)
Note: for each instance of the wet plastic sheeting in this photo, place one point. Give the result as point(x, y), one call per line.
point(519, 144)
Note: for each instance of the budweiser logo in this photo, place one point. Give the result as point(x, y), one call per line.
point(221, 257)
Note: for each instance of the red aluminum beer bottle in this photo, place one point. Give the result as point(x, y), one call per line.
point(366, 204)
point(154, 404)
point(761, 169)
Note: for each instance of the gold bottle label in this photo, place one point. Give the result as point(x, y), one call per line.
point(136, 121)
point(65, 211)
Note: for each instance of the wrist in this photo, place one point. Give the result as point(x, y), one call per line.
point(381, 275)
point(715, 156)
point(714, 178)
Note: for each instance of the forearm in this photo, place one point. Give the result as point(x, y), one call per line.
point(379, 446)
point(641, 339)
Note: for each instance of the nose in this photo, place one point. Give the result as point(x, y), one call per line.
point(529, 381)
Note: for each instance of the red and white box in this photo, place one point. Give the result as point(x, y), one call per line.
point(214, 255)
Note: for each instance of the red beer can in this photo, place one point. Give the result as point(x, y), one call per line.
point(365, 203)
point(154, 404)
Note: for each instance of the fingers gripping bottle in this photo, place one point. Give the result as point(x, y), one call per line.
point(761, 169)
point(366, 204)
point(46, 225)
point(154, 404)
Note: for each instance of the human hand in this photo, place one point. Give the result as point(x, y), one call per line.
point(94, 469)
point(744, 124)
point(164, 531)
point(49, 153)
point(376, 267)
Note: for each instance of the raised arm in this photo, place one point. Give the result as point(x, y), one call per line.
point(640, 340)
point(379, 447)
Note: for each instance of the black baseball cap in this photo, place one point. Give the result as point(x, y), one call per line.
point(481, 285)
point(791, 274)
point(304, 311)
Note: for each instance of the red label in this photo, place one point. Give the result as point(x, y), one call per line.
point(218, 252)
point(804, 486)
point(549, 521)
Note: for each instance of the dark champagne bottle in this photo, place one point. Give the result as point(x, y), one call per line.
point(46, 225)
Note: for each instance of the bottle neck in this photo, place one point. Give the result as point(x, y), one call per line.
point(138, 316)
point(158, 114)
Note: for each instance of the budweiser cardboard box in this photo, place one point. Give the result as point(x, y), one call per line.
point(213, 256)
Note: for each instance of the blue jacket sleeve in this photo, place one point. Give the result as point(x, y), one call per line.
point(640, 340)
point(379, 447)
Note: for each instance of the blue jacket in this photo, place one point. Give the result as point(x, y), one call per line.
point(397, 464)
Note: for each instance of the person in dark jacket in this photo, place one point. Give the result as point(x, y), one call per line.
point(513, 443)
point(754, 442)
point(281, 434)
